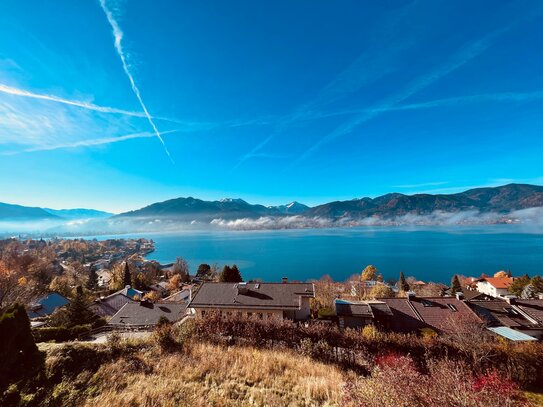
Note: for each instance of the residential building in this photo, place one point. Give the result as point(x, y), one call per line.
point(525, 316)
point(110, 305)
point(412, 313)
point(494, 286)
point(145, 314)
point(357, 314)
point(45, 306)
point(266, 300)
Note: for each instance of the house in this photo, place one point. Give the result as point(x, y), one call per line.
point(351, 314)
point(182, 296)
point(110, 305)
point(132, 292)
point(524, 316)
point(45, 306)
point(145, 314)
point(160, 288)
point(494, 286)
point(104, 277)
point(411, 314)
point(266, 300)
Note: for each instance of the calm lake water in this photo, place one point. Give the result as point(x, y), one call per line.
point(430, 253)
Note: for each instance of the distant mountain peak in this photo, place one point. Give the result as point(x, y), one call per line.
point(233, 200)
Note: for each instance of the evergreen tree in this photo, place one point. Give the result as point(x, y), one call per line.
point(403, 283)
point(455, 285)
point(78, 310)
point(127, 277)
point(18, 352)
point(230, 275)
point(92, 282)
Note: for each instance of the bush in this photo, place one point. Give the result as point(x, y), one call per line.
point(59, 334)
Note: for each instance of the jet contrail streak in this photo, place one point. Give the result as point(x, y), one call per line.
point(104, 109)
point(118, 35)
point(86, 143)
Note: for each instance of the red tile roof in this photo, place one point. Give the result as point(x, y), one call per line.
point(499, 282)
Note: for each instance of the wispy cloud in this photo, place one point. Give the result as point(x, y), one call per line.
point(370, 66)
point(118, 36)
point(465, 55)
point(444, 102)
point(86, 143)
point(85, 105)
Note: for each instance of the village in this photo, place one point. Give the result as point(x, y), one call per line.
point(117, 290)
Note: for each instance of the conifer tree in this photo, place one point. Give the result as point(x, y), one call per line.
point(78, 310)
point(127, 277)
point(230, 275)
point(455, 285)
point(403, 283)
point(92, 282)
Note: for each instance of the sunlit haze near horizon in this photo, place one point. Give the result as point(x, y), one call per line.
point(114, 105)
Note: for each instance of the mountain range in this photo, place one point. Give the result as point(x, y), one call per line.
point(496, 200)
point(501, 200)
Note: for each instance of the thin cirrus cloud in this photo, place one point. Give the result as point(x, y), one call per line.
point(118, 36)
point(87, 143)
point(368, 67)
point(462, 57)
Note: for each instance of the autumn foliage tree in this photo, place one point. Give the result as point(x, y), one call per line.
point(369, 273)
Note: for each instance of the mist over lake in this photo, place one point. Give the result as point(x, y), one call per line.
point(428, 253)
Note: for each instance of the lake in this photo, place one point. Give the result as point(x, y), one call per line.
point(428, 253)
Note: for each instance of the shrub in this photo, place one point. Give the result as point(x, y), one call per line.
point(59, 334)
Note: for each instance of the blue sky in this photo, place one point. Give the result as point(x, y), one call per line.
point(117, 104)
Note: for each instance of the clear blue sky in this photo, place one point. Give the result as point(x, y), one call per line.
point(268, 101)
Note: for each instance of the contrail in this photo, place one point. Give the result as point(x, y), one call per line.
point(87, 143)
point(465, 55)
point(90, 106)
point(118, 36)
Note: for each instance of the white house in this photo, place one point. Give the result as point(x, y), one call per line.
point(495, 286)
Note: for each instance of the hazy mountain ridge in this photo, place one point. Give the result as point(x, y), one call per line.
point(501, 199)
point(78, 213)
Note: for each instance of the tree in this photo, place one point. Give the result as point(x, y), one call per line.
point(500, 274)
point(92, 282)
point(180, 266)
point(518, 285)
point(403, 283)
point(14, 286)
point(230, 275)
point(127, 277)
point(537, 283)
point(369, 273)
point(381, 291)
point(78, 310)
point(204, 271)
point(174, 282)
point(18, 352)
point(152, 296)
point(455, 285)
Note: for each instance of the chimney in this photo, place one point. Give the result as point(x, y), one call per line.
point(511, 299)
point(242, 288)
point(410, 295)
point(540, 296)
point(460, 296)
point(284, 280)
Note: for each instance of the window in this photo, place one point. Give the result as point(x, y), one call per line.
point(257, 286)
point(511, 311)
point(452, 307)
point(426, 303)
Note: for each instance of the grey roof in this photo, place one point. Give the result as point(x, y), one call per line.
point(358, 309)
point(521, 314)
point(143, 313)
point(47, 305)
point(257, 295)
point(110, 305)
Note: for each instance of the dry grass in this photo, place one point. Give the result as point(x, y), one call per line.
point(208, 375)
